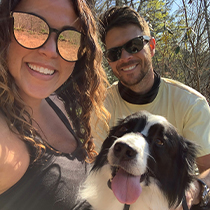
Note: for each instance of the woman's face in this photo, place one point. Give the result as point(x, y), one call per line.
point(39, 72)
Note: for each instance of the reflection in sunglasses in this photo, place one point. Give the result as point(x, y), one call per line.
point(32, 32)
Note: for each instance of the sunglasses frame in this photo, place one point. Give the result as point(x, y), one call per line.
point(119, 49)
point(58, 32)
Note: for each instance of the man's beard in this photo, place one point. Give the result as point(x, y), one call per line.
point(142, 74)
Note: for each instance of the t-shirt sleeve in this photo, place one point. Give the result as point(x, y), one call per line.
point(197, 126)
point(99, 131)
point(99, 127)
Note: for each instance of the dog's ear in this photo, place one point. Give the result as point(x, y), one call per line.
point(190, 152)
point(101, 159)
point(186, 165)
point(183, 170)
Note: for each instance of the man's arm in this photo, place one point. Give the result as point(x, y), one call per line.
point(193, 196)
point(203, 163)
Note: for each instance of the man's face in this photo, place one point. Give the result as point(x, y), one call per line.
point(130, 69)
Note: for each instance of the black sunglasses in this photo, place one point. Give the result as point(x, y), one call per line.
point(32, 31)
point(132, 46)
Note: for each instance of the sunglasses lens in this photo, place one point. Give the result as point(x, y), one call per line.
point(30, 31)
point(113, 54)
point(134, 46)
point(69, 42)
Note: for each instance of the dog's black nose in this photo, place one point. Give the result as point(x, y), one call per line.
point(124, 152)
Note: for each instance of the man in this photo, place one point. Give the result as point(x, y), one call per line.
point(129, 51)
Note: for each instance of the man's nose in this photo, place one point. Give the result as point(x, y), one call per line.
point(125, 54)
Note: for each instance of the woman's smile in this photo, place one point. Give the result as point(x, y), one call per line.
point(41, 69)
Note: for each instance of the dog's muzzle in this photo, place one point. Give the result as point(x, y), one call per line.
point(124, 185)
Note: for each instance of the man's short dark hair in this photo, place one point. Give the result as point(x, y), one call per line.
point(118, 17)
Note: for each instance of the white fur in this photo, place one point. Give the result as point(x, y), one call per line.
point(97, 193)
point(136, 141)
point(153, 119)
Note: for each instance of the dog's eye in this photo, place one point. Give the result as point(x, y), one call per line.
point(159, 142)
point(123, 129)
point(120, 131)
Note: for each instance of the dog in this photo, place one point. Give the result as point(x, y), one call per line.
point(144, 164)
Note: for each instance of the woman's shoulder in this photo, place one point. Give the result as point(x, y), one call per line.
point(14, 157)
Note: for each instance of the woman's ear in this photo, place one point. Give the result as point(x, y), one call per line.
point(152, 44)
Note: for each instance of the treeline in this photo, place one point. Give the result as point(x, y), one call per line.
point(182, 32)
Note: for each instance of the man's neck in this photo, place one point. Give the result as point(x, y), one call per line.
point(143, 97)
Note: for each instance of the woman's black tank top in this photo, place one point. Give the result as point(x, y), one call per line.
point(51, 183)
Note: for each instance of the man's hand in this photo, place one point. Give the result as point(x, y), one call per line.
point(192, 196)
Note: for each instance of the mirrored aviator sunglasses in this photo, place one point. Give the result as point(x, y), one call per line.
point(132, 46)
point(32, 32)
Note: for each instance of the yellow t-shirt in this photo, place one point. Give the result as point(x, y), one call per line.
point(181, 105)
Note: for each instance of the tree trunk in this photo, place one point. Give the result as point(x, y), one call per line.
point(207, 22)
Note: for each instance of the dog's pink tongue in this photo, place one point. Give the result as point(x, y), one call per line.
point(126, 187)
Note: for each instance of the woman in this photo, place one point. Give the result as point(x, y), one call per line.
point(50, 80)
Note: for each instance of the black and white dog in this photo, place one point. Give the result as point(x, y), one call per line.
point(144, 164)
